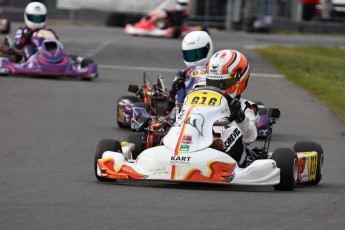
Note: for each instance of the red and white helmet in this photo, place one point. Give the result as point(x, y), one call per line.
point(229, 71)
point(35, 15)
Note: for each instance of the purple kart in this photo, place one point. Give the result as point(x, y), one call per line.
point(50, 60)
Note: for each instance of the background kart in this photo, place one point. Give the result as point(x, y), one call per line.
point(151, 98)
point(50, 60)
point(6, 50)
point(187, 156)
point(155, 25)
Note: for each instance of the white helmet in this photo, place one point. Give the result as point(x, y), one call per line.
point(197, 48)
point(182, 5)
point(35, 15)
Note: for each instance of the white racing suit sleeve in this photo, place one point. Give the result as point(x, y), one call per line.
point(248, 126)
point(236, 135)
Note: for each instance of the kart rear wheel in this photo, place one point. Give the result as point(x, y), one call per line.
point(119, 109)
point(306, 146)
point(287, 161)
point(137, 139)
point(85, 62)
point(103, 146)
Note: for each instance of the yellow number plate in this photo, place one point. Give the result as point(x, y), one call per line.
point(204, 98)
point(198, 73)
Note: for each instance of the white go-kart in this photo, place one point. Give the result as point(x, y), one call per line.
point(186, 156)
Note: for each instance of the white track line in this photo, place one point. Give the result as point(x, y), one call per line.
point(140, 68)
point(99, 48)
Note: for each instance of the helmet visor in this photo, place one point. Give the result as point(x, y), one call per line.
point(36, 18)
point(196, 54)
point(222, 83)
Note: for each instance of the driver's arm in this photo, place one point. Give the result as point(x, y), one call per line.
point(248, 125)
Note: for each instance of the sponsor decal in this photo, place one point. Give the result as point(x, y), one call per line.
point(232, 139)
point(312, 165)
point(158, 171)
point(307, 166)
point(186, 139)
point(215, 66)
point(197, 121)
point(180, 160)
point(184, 148)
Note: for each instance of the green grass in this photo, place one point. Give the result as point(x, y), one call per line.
point(318, 70)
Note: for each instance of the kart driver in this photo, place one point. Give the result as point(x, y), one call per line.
point(197, 48)
point(35, 18)
point(173, 17)
point(229, 71)
point(178, 15)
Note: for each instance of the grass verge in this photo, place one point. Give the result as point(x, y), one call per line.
point(318, 70)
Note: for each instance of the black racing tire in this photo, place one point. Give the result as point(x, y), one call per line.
point(103, 146)
point(308, 146)
point(137, 139)
point(85, 62)
point(286, 160)
point(133, 99)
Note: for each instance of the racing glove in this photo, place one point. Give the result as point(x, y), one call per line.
point(27, 34)
point(237, 113)
point(179, 83)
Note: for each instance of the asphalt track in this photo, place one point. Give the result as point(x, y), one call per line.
point(49, 129)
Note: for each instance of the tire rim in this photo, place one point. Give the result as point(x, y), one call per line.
point(295, 169)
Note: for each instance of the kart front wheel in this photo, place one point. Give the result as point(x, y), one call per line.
point(103, 146)
point(286, 160)
point(119, 111)
point(137, 139)
point(305, 146)
point(85, 63)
